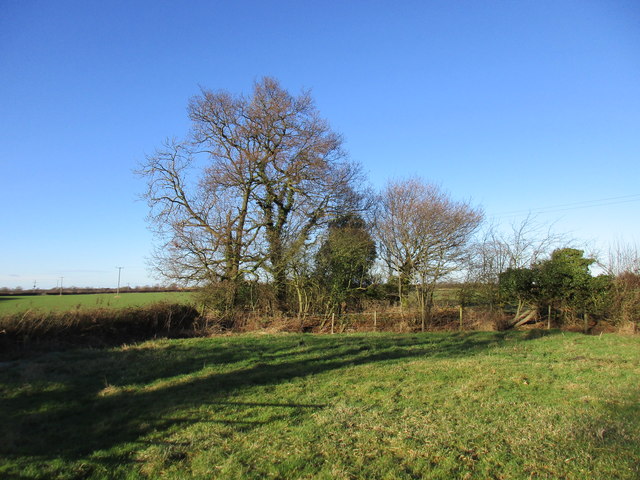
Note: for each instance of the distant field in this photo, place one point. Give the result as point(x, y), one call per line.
point(19, 304)
point(10, 304)
point(447, 294)
point(482, 405)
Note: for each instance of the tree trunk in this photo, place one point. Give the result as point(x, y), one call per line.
point(423, 312)
point(524, 318)
point(278, 269)
point(586, 322)
point(280, 291)
point(231, 295)
point(430, 293)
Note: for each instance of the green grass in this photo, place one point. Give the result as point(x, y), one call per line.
point(19, 304)
point(380, 406)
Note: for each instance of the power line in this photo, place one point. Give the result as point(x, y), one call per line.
point(603, 202)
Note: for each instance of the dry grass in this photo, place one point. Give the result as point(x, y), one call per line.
point(97, 327)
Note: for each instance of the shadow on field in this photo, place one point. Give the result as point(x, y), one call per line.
point(82, 402)
point(614, 429)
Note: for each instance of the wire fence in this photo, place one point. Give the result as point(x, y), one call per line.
point(448, 317)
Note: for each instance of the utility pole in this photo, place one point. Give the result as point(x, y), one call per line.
point(118, 289)
point(61, 279)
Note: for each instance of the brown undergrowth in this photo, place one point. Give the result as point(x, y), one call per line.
point(35, 331)
point(102, 327)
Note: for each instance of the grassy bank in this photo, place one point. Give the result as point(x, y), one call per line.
point(436, 405)
point(10, 305)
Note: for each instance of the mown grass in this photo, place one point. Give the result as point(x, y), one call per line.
point(10, 305)
point(436, 405)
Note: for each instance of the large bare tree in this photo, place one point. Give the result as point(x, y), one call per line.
point(423, 235)
point(271, 172)
point(202, 224)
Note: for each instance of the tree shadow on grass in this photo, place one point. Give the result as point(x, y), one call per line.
point(100, 401)
point(614, 428)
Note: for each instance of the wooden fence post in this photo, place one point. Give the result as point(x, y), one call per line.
point(586, 323)
point(461, 317)
point(375, 320)
point(333, 316)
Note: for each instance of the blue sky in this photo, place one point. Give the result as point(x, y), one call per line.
point(517, 106)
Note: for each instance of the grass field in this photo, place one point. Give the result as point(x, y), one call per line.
point(19, 304)
point(438, 405)
point(12, 304)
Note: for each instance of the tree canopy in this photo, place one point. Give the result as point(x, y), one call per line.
point(271, 172)
point(345, 258)
point(562, 282)
point(261, 191)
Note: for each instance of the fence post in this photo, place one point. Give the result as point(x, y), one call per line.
point(460, 316)
point(333, 315)
point(375, 320)
point(586, 323)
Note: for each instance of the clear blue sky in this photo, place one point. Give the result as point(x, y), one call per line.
point(515, 105)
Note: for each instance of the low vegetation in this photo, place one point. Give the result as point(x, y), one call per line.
point(24, 333)
point(435, 405)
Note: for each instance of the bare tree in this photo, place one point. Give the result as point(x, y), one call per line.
point(623, 258)
point(202, 225)
point(423, 235)
point(623, 266)
point(518, 246)
point(274, 173)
